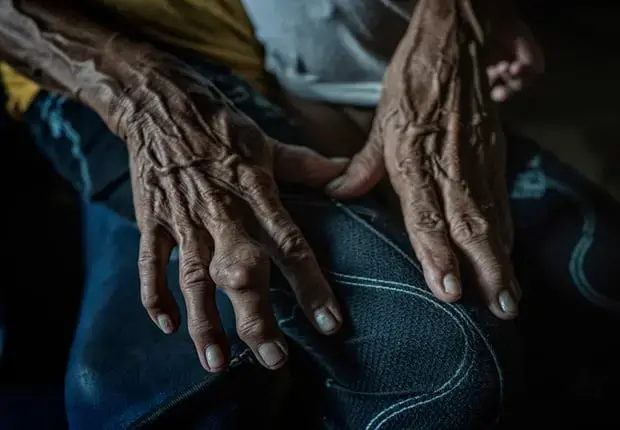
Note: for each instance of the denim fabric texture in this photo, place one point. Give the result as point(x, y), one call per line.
point(403, 359)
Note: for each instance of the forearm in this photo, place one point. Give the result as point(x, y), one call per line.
point(66, 47)
point(60, 47)
point(438, 74)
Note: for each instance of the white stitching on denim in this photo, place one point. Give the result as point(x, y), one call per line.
point(576, 265)
point(419, 294)
point(459, 310)
point(377, 233)
point(533, 183)
point(462, 320)
point(296, 199)
point(444, 306)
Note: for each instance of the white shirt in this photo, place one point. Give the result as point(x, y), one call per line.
point(330, 50)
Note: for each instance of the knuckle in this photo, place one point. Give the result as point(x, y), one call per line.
point(150, 301)
point(146, 261)
point(469, 229)
point(246, 269)
point(254, 180)
point(237, 277)
point(195, 274)
point(292, 244)
point(201, 329)
point(251, 328)
point(428, 221)
point(404, 167)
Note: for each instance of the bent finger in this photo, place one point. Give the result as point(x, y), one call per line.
point(241, 269)
point(297, 261)
point(198, 290)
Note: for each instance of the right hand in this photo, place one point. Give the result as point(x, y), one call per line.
point(438, 139)
point(204, 177)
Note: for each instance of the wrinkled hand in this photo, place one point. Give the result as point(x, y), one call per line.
point(203, 176)
point(440, 141)
point(515, 59)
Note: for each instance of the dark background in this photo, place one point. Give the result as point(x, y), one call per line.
point(573, 110)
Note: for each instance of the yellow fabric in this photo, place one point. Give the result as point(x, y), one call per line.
point(20, 91)
point(217, 29)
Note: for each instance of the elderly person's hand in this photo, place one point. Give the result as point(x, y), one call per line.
point(204, 178)
point(439, 139)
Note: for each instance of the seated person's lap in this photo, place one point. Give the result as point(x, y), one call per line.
point(402, 357)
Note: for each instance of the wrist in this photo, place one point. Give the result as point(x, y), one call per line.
point(137, 80)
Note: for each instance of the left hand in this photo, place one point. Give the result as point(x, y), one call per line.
point(438, 136)
point(515, 59)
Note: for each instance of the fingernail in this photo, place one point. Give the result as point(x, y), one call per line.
point(334, 185)
point(325, 320)
point(451, 285)
point(165, 324)
point(507, 302)
point(215, 357)
point(340, 160)
point(271, 354)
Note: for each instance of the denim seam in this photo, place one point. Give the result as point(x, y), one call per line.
point(533, 184)
point(462, 320)
point(445, 306)
point(291, 198)
point(346, 210)
point(456, 308)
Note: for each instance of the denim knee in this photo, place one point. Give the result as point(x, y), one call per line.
point(402, 357)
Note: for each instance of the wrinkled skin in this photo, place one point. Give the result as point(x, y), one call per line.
point(219, 202)
point(203, 176)
point(437, 136)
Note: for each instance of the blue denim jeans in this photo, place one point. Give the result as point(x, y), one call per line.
point(403, 359)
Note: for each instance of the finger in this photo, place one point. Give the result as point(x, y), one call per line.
point(501, 68)
point(528, 51)
point(505, 85)
point(471, 229)
point(500, 93)
point(155, 247)
point(296, 260)
point(526, 74)
point(516, 68)
point(427, 228)
point(364, 172)
point(241, 269)
point(515, 84)
point(495, 73)
point(256, 325)
point(198, 290)
point(302, 165)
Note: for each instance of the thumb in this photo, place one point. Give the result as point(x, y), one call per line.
point(301, 165)
point(364, 172)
